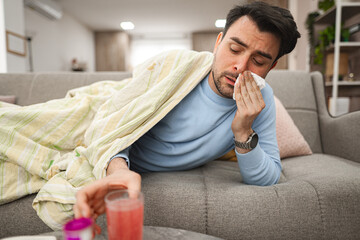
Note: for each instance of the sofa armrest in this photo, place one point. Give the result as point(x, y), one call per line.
point(339, 135)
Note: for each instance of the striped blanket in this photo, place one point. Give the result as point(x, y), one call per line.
point(57, 147)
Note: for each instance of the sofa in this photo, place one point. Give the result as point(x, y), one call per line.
point(317, 196)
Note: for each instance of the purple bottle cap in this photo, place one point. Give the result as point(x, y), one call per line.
point(78, 224)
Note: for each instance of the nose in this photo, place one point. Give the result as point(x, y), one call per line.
point(241, 64)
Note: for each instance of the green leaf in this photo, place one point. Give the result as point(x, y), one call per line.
point(51, 163)
point(57, 147)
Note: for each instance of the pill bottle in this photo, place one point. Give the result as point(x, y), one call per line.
point(78, 229)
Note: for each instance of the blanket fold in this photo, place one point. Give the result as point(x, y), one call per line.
point(57, 147)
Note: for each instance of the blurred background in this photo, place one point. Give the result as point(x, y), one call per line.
point(87, 35)
point(116, 35)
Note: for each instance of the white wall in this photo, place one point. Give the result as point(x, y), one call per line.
point(14, 22)
point(56, 43)
point(3, 63)
point(299, 58)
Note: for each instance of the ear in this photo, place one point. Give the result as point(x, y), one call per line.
point(274, 64)
point(218, 41)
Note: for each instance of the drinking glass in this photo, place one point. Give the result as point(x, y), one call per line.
point(124, 214)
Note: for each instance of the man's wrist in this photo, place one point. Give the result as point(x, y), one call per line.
point(243, 136)
point(115, 164)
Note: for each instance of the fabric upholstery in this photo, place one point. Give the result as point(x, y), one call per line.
point(290, 141)
point(8, 98)
point(292, 209)
point(295, 91)
point(19, 218)
point(317, 196)
point(211, 199)
point(16, 84)
point(339, 135)
point(31, 88)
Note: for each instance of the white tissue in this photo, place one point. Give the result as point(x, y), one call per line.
point(259, 81)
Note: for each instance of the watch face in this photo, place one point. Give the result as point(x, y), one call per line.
point(254, 141)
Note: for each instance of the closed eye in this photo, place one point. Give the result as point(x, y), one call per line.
point(258, 63)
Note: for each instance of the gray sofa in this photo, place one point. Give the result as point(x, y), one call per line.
point(317, 196)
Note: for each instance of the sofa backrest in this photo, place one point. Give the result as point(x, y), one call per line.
point(294, 89)
point(296, 92)
point(31, 88)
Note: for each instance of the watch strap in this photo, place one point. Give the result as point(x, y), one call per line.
point(245, 145)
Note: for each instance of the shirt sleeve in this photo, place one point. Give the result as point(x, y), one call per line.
point(261, 166)
point(123, 154)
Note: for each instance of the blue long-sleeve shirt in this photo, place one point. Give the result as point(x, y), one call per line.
point(198, 130)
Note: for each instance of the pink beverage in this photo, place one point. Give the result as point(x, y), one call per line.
point(125, 215)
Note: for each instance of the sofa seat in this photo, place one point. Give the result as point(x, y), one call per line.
point(301, 206)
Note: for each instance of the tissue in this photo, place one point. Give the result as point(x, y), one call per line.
point(259, 81)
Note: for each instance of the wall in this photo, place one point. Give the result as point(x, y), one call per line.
point(204, 41)
point(14, 22)
point(3, 64)
point(299, 58)
point(55, 43)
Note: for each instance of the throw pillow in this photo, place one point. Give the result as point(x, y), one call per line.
point(8, 98)
point(290, 140)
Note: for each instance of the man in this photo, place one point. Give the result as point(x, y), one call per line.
point(208, 122)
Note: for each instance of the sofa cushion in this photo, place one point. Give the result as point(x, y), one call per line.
point(19, 218)
point(315, 192)
point(296, 92)
point(218, 203)
point(17, 84)
point(336, 182)
point(8, 98)
point(291, 142)
point(47, 86)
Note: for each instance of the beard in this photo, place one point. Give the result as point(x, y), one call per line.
point(219, 78)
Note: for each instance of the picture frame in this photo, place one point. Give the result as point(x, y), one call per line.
point(15, 43)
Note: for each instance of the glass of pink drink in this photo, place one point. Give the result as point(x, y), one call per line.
point(124, 214)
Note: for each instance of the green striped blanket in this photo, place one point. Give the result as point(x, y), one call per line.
point(57, 147)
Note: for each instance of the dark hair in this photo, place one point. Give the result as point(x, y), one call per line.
point(273, 19)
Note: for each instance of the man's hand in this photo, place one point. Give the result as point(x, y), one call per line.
point(249, 103)
point(90, 200)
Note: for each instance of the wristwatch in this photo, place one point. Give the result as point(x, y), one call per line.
point(250, 143)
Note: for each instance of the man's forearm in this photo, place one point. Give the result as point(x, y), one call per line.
point(115, 164)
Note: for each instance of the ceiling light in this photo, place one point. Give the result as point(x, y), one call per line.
point(127, 25)
point(220, 23)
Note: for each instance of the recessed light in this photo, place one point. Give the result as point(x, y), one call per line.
point(220, 23)
point(127, 25)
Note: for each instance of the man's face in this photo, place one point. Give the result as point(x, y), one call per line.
point(243, 47)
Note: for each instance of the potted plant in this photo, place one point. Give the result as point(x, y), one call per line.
point(326, 38)
point(318, 48)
